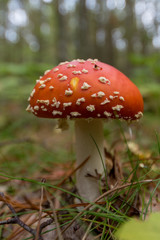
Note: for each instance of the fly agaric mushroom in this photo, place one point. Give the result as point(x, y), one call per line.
point(88, 92)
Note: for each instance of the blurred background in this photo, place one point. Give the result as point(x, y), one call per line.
point(36, 35)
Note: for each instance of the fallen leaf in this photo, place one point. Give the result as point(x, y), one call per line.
point(138, 230)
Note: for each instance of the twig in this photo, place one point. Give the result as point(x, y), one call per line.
point(8, 221)
point(16, 218)
point(19, 231)
point(104, 195)
point(45, 224)
point(60, 237)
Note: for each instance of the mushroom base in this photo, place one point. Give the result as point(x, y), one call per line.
point(89, 143)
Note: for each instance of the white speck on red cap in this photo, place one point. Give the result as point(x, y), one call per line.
point(55, 70)
point(121, 98)
point(84, 70)
point(77, 72)
point(100, 94)
point(117, 107)
point(51, 87)
point(42, 86)
point(104, 80)
point(107, 114)
point(80, 100)
point(36, 107)
point(56, 112)
point(139, 115)
point(85, 86)
point(68, 92)
point(67, 104)
point(75, 114)
point(111, 97)
point(46, 102)
point(94, 95)
point(90, 108)
point(47, 71)
point(105, 101)
point(63, 78)
point(33, 92)
point(116, 92)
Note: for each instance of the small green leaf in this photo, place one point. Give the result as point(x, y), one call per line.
point(139, 230)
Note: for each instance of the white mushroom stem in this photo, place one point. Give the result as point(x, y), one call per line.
point(89, 143)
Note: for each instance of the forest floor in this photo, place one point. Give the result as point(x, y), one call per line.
point(38, 181)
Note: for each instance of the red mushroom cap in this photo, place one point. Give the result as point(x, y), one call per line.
point(85, 89)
